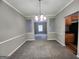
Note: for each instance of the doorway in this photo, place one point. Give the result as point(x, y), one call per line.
point(40, 30)
point(71, 32)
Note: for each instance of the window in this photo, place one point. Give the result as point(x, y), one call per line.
point(40, 28)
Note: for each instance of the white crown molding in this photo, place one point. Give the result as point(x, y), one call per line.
point(5, 1)
point(53, 16)
point(64, 7)
point(32, 17)
point(13, 7)
point(44, 15)
point(50, 16)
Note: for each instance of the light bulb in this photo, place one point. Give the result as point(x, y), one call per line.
point(44, 18)
point(41, 18)
point(36, 18)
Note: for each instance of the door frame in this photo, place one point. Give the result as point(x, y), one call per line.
point(33, 28)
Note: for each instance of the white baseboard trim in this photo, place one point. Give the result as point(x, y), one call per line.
point(16, 48)
point(34, 39)
point(24, 42)
point(51, 39)
point(77, 56)
point(30, 39)
point(60, 42)
point(19, 46)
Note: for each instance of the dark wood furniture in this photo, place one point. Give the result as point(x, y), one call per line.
point(70, 36)
point(69, 40)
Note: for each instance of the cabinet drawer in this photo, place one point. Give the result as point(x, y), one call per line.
point(69, 38)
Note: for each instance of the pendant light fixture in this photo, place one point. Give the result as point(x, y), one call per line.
point(40, 17)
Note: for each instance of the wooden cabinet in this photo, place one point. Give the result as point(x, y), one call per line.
point(68, 20)
point(75, 18)
point(69, 38)
point(71, 24)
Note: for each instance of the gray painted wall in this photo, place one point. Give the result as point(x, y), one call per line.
point(52, 25)
point(51, 29)
point(12, 29)
point(60, 20)
point(29, 26)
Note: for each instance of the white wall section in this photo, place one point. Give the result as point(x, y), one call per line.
point(12, 29)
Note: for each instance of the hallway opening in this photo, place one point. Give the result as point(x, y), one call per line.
point(40, 30)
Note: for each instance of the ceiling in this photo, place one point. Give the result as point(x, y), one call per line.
point(30, 8)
